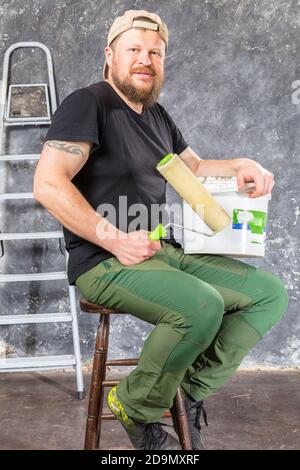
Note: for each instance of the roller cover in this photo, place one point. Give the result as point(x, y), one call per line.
point(180, 177)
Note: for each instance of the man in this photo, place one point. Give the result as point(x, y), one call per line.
point(104, 143)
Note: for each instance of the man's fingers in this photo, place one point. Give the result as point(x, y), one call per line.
point(155, 245)
point(240, 182)
point(266, 184)
point(259, 184)
point(263, 186)
point(271, 184)
point(148, 253)
point(263, 180)
point(139, 234)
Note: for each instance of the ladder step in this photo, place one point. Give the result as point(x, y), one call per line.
point(7, 196)
point(26, 123)
point(11, 364)
point(33, 156)
point(33, 277)
point(35, 318)
point(30, 235)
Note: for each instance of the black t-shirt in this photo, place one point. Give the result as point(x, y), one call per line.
point(121, 169)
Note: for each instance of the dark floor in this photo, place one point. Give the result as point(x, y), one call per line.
point(255, 410)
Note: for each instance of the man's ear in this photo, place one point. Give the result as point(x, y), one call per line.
point(108, 55)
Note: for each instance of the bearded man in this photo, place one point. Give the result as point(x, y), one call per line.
point(208, 311)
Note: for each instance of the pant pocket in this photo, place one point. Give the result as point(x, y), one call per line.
point(86, 282)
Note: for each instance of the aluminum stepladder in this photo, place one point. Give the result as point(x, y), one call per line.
point(9, 118)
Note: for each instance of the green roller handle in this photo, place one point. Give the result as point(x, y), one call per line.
point(158, 233)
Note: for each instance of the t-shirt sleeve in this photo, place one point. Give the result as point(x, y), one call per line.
point(76, 119)
point(179, 143)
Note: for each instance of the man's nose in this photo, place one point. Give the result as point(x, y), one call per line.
point(144, 58)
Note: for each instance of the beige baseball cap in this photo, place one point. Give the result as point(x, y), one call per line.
point(136, 19)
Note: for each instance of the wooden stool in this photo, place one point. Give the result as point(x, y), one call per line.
point(99, 382)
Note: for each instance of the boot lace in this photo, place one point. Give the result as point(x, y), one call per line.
point(200, 410)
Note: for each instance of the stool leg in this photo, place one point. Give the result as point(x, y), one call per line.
point(181, 421)
point(93, 424)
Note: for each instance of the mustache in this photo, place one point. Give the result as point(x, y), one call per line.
point(144, 70)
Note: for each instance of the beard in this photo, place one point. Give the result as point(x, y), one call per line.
point(145, 95)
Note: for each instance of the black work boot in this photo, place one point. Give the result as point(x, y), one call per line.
point(194, 409)
point(142, 436)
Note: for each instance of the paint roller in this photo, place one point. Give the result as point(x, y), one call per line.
point(183, 180)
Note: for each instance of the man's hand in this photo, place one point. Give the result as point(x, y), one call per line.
point(250, 171)
point(134, 247)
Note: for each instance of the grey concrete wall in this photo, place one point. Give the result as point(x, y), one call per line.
point(230, 70)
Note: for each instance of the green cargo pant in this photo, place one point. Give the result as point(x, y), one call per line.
point(208, 312)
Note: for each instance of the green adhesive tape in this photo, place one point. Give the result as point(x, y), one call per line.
point(166, 159)
point(158, 233)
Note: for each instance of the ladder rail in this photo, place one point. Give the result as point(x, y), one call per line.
point(76, 339)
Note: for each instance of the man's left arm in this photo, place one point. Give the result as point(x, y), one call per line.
point(245, 169)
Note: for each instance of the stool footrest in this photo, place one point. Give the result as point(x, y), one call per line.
point(110, 383)
point(122, 362)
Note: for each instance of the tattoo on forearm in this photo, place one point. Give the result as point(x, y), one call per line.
point(74, 149)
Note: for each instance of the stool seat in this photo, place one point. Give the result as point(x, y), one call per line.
point(99, 382)
point(90, 307)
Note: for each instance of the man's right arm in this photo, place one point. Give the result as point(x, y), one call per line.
point(59, 163)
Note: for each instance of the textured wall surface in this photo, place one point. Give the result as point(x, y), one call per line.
point(230, 70)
